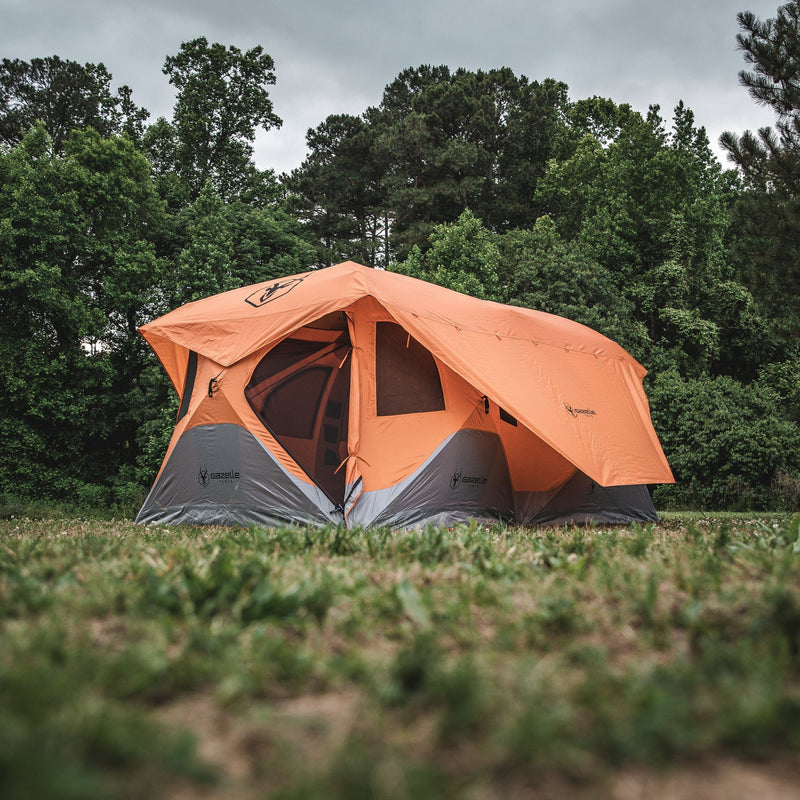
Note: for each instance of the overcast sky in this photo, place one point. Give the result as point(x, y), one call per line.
point(335, 56)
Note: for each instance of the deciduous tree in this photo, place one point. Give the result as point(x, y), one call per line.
point(222, 101)
point(547, 273)
point(63, 96)
point(463, 255)
point(77, 275)
point(653, 207)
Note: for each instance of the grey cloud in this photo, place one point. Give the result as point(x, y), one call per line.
point(334, 57)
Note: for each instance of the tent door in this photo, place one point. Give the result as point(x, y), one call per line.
point(300, 391)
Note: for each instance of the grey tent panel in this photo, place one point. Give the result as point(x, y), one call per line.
point(581, 501)
point(222, 475)
point(465, 478)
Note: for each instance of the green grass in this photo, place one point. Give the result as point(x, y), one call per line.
point(463, 662)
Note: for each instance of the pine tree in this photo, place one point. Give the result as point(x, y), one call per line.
point(770, 161)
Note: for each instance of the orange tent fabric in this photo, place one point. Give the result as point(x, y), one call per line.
point(549, 398)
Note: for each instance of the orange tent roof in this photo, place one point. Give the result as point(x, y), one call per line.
point(576, 389)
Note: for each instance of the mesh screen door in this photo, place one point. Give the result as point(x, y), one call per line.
point(300, 391)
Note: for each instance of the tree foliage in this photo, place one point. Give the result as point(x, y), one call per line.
point(227, 245)
point(339, 194)
point(653, 207)
point(63, 96)
point(548, 273)
point(462, 256)
point(465, 139)
point(75, 269)
point(730, 447)
point(481, 181)
point(439, 142)
point(769, 160)
point(222, 102)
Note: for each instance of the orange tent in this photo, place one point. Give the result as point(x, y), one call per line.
point(359, 395)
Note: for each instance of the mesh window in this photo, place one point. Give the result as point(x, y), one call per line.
point(282, 357)
point(407, 380)
point(292, 406)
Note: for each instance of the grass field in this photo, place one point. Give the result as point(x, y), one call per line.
point(471, 662)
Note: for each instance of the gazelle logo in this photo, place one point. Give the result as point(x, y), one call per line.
point(575, 411)
point(472, 480)
point(272, 292)
point(204, 477)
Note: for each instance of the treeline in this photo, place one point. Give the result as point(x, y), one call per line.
point(482, 181)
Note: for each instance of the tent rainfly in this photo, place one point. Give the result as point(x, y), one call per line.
point(359, 396)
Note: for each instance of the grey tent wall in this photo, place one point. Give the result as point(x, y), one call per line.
point(222, 475)
point(581, 501)
point(465, 478)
